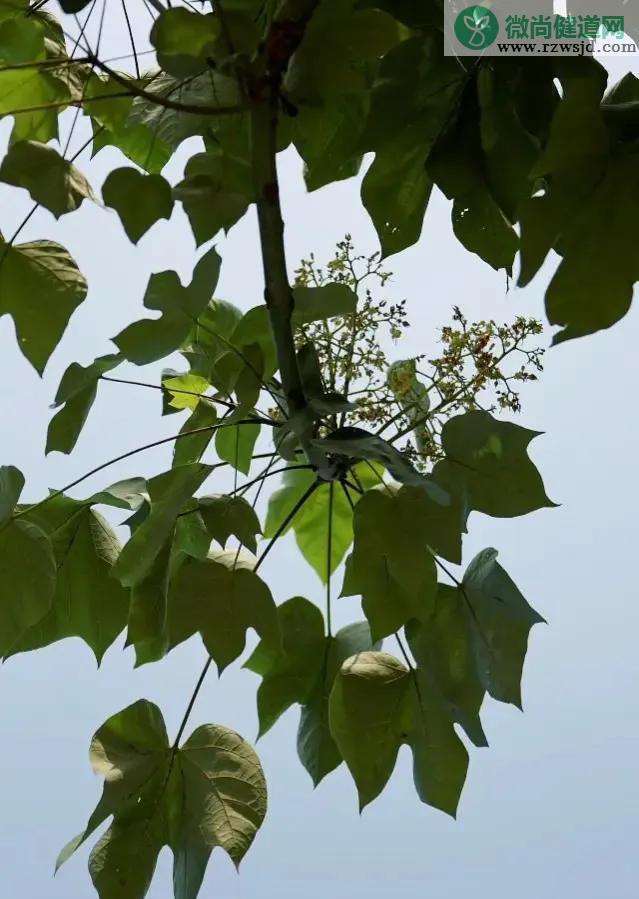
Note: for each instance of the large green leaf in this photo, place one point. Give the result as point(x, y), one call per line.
point(326, 137)
point(151, 339)
point(458, 165)
point(376, 705)
point(413, 99)
point(310, 524)
point(40, 287)
point(11, 484)
point(140, 200)
point(168, 128)
point(487, 463)
point(208, 792)
point(221, 597)
point(338, 50)
point(208, 339)
point(88, 602)
point(168, 493)
point(303, 671)
point(443, 648)
point(34, 102)
point(224, 516)
point(500, 620)
point(182, 39)
point(76, 394)
point(391, 566)
point(395, 192)
point(316, 747)
point(235, 444)
point(52, 181)
point(215, 192)
point(147, 627)
point(290, 673)
point(28, 579)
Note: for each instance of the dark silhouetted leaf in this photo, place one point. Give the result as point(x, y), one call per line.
point(140, 200)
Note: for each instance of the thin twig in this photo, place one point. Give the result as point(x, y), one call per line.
point(289, 518)
point(127, 455)
point(329, 558)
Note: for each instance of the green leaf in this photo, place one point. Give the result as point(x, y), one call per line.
point(192, 447)
point(209, 792)
point(169, 493)
point(52, 181)
point(391, 565)
point(88, 602)
point(135, 140)
point(221, 597)
point(182, 40)
point(320, 303)
point(151, 339)
point(443, 648)
point(235, 444)
point(338, 49)
point(501, 620)
point(41, 96)
point(40, 287)
point(601, 227)
point(102, 103)
point(316, 747)
point(417, 89)
point(303, 671)
point(140, 200)
point(487, 462)
point(326, 138)
point(289, 673)
point(28, 579)
point(216, 192)
point(208, 339)
point(184, 390)
point(148, 613)
point(224, 516)
point(11, 484)
point(376, 705)
point(395, 192)
point(168, 128)
point(457, 166)
point(76, 394)
point(310, 525)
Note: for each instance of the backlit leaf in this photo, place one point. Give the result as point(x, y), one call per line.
point(221, 597)
point(376, 705)
point(40, 287)
point(208, 792)
point(88, 602)
point(52, 181)
point(140, 200)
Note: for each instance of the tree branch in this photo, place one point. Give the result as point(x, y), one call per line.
point(158, 100)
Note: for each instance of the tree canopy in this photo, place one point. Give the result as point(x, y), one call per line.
point(382, 460)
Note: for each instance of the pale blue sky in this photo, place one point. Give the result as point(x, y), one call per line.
point(550, 809)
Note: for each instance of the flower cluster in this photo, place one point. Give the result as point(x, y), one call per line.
point(481, 365)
